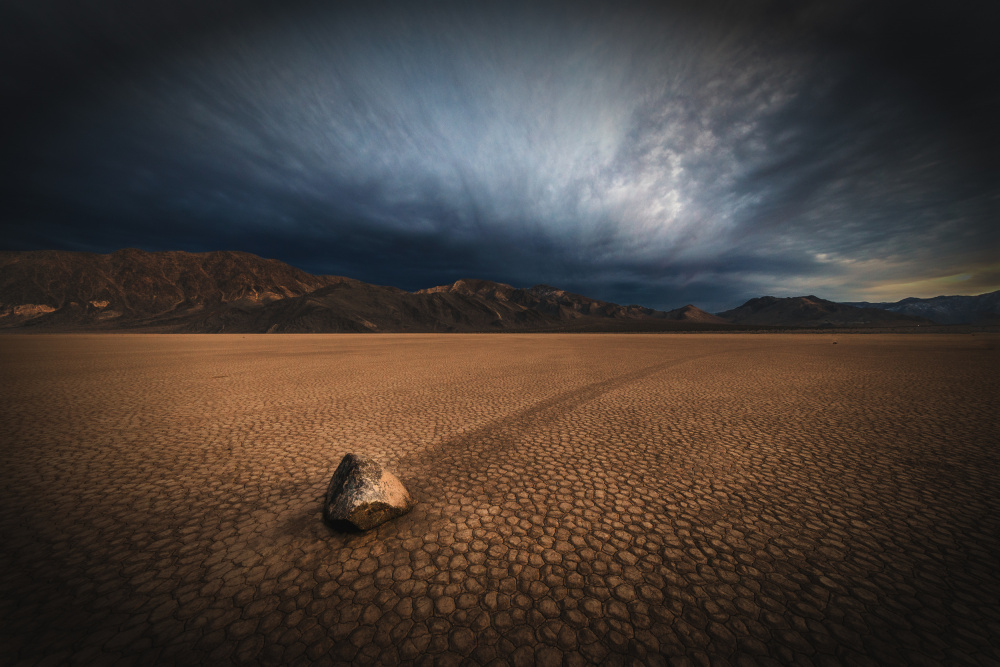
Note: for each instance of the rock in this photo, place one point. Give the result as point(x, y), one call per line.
point(362, 495)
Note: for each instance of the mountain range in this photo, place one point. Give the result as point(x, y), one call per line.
point(983, 309)
point(239, 292)
point(235, 292)
point(812, 311)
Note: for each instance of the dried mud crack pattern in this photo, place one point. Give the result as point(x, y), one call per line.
point(582, 499)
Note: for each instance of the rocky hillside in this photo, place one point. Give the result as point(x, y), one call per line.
point(131, 287)
point(691, 313)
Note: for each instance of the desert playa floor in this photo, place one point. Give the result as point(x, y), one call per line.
point(581, 499)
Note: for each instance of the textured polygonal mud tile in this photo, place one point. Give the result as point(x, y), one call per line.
point(345, 651)
point(222, 652)
point(462, 641)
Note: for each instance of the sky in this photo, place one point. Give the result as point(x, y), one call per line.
point(653, 153)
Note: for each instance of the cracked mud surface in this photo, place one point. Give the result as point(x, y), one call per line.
point(612, 499)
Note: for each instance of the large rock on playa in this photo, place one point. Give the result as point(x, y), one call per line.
point(363, 495)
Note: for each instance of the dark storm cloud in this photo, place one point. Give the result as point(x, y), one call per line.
point(639, 155)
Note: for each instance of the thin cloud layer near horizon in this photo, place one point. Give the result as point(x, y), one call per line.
point(695, 152)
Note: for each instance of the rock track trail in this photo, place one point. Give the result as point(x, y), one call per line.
point(582, 499)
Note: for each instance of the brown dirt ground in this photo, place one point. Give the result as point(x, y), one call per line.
point(581, 499)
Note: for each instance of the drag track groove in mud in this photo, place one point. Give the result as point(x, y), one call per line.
point(582, 499)
point(476, 446)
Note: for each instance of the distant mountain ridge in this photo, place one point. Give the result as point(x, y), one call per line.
point(799, 311)
point(239, 292)
point(983, 309)
point(226, 291)
point(560, 303)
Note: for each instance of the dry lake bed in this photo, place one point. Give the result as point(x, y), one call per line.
point(612, 499)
